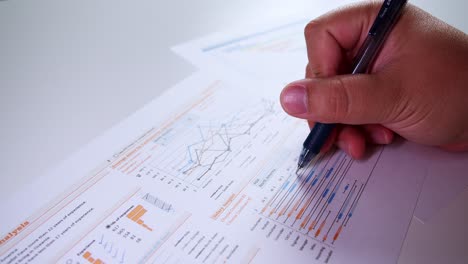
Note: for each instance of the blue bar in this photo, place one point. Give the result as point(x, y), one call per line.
point(314, 181)
point(285, 185)
point(310, 176)
point(331, 198)
point(328, 173)
point(232, 41)
point(292, 188)
point(325, 193)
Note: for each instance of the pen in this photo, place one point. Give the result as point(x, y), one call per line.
point(383, 24)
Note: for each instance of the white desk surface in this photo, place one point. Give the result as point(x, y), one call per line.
point(69, 70)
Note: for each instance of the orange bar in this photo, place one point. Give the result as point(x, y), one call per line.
point(90, 259)
point(305, 221)
point(301, 212)
point(312, 225)
point(335, 237)
point(318, 232)
point(149, 228)
point(139, 221)
point(320, 228)
point(272, 212)
point(294, 207)
point(304, 207)
point(324, 238)
point(139, 214)
point(98, 261)
point(134, 211)
point(266, 206)
point(283, 211)
point(86, 255)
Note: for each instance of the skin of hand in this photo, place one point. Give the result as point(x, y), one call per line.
point(417, 86)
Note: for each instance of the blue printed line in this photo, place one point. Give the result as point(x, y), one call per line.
point(229, 42)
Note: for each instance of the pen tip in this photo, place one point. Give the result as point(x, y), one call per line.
point(297, 171)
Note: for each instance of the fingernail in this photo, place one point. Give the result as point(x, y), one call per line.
point(294, 99)
point(381, 137)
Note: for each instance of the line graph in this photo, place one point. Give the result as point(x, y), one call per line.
point(216, 144)
point(208, 147)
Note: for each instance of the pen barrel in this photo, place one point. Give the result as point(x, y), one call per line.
point(386, 18)
point(317, 137)
point(383, 24)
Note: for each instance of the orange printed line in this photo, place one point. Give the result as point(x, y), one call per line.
point(3, 252)
point(104, 218)
point(129, 166)
point(301, 212)
point(260, 166)
point(113, 165)
point(164, 126)
point(335, 237)
point(305, 221)
point(312, 225)
point(126, 157)
point(139, 164)
point(296, 205)
point(272, 212)
point(130, 160)
point(320, 228)
point(176, 118)
point(239, 211)
point(266, 206)
point(253, 255)
point(283, 210)
point(304, 207)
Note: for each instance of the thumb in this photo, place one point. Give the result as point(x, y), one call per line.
point(346, 99)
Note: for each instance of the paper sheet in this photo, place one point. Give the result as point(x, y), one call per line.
point(274, 52)
point(277, 53)
point(205, 174)
point(447, 177)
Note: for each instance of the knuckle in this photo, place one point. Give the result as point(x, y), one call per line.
point(308, 71)
point(339, 100)
point(313, 71)
point(312, 27)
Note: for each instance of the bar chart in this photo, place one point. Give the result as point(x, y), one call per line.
point(136, 214)
point(88, 256)
point(321, 201)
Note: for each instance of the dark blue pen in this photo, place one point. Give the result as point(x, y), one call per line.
point(383, 24)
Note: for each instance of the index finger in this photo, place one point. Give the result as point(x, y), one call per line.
point(334, 38)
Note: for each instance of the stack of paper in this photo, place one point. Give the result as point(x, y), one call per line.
point(206, 174)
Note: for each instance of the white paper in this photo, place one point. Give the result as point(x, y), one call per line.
point(277, 53)
point(447, 177)
point(206, 174)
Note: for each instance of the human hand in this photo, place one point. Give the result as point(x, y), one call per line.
point(417, 86)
